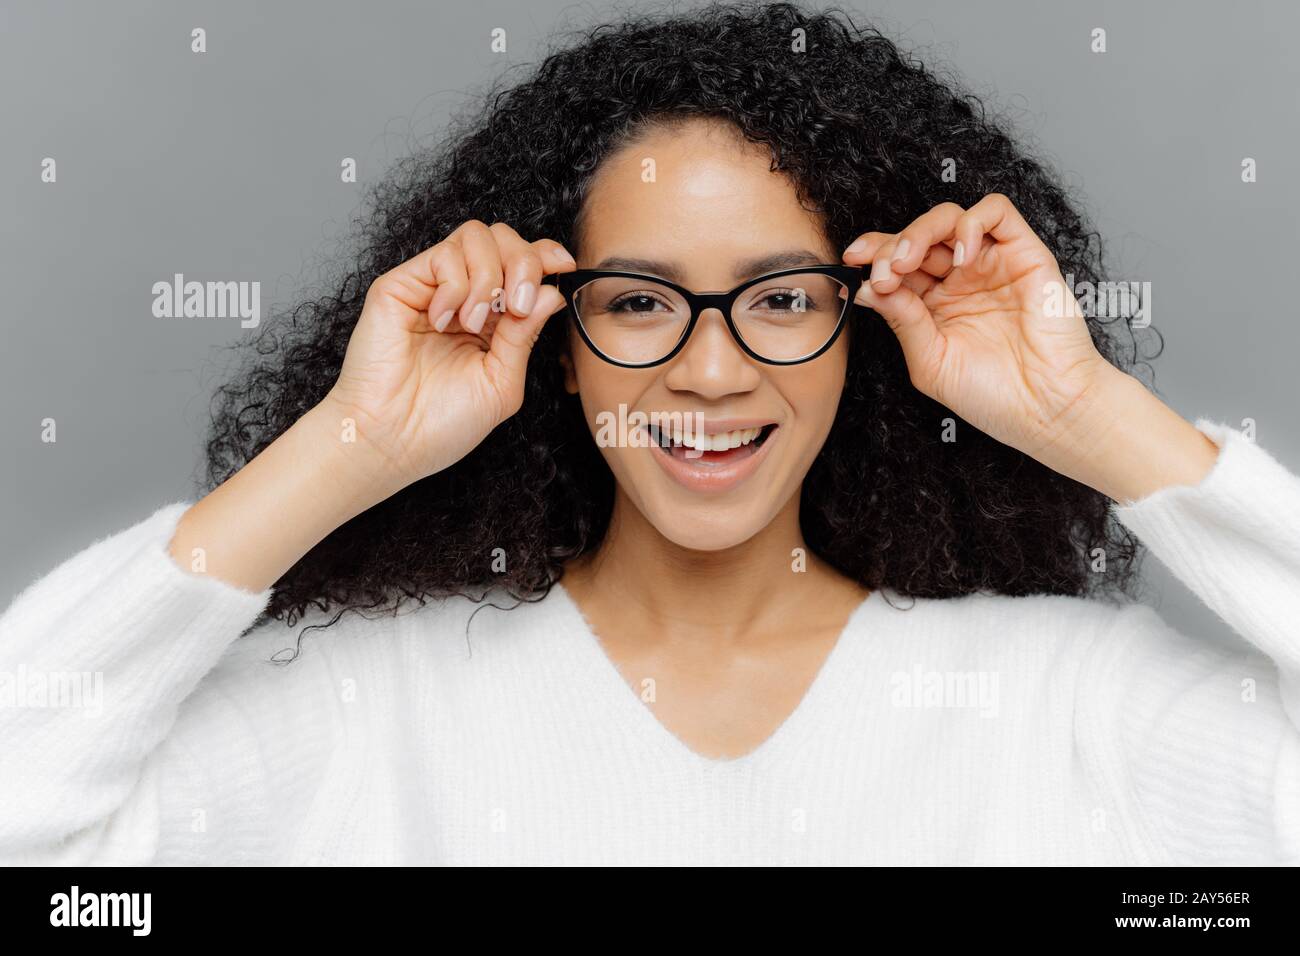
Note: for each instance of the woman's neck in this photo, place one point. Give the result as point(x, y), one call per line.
point(767, 583)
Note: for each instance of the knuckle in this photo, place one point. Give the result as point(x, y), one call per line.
point(449, 253)
point(483, 266)
point(998, 202)
point(441, 257)
point(530, 262)
point(456, 285)
point(381, 285)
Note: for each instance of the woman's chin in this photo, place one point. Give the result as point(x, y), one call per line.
point(705, 529)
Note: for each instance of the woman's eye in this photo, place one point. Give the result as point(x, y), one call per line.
point(635, 302)
point(786, 300)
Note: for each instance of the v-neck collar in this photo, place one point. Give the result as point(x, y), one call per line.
point(827, 687)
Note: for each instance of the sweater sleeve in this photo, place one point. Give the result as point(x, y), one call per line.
point(1208, 735)
point(96, 659)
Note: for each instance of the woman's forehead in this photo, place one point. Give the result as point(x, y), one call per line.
point(674, 193)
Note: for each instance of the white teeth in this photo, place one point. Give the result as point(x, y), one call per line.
point(722, 441)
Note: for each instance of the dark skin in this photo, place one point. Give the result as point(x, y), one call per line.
point(714, 634)
point(697, 591)
point(721, 698)
point(728, 660)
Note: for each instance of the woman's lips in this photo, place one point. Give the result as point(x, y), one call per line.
point(712, 471)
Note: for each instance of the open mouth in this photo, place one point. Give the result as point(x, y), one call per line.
point(711, 450)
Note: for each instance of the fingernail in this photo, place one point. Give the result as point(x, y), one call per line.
point(958, 254)
point(564, 254)
point(444, 320)
point(859, 245)
point(477, 318)
point(901, 252)
point(525, 296)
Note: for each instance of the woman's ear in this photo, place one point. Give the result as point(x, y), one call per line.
point(570, 375)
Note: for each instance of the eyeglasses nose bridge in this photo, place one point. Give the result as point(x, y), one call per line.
point(701, 302)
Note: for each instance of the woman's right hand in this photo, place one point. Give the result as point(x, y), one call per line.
point(438, 357)
point(430, 370)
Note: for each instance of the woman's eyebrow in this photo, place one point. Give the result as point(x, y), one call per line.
point(665, 270)
point(779, 260)
point(787, 259)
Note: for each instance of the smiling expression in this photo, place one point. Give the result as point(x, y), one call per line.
point(713, 216)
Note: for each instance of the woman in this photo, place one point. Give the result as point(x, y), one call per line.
point(714, 478)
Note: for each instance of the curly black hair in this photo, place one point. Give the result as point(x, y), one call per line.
point(864, 132)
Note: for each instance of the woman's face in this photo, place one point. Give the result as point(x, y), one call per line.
point(711, 216)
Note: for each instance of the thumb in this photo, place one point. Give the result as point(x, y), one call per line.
point(513, 340)
point(912, 323)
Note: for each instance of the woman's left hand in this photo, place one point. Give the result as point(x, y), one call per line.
point(990, 330)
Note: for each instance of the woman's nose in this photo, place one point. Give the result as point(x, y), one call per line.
point(712, 363)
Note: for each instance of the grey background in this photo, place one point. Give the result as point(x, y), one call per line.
point(225, 166)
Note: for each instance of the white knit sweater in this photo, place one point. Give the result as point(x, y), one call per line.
point(984, 729)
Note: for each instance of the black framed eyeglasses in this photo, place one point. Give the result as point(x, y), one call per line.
point(781, 318)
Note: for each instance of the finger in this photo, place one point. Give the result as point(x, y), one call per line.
point(938, 261)
point(522, 267)
point(920, 282)
point(413, 285)
point(927, 230)
point(483, 262)
point(995, 216)
point(909, 250)
point(883, 278)
point(981, 261)
point(512, 342)
point(555, 258)
point(452, 280)
point(864, 248)
point(914, 326)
